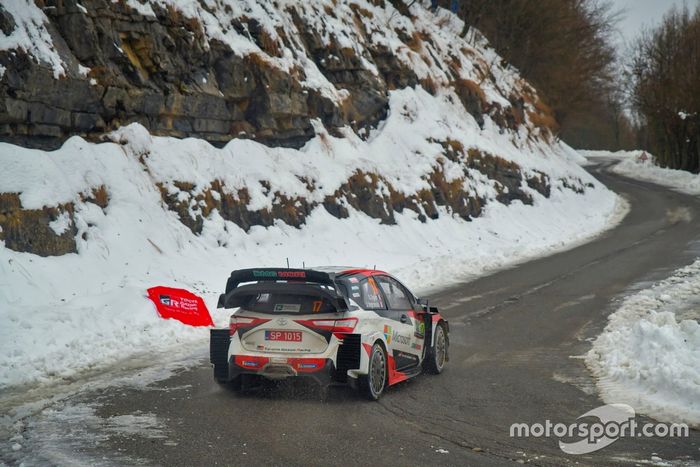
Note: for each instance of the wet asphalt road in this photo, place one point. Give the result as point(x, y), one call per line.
point(516, 341)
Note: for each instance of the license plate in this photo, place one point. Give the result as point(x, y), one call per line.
point(286, 336)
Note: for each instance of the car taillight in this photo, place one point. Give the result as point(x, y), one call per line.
point(239, 322)
point(346, 325)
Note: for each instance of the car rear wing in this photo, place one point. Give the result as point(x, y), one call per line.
point(277, 274)
point(297, 281)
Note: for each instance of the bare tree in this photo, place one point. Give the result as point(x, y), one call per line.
point(564, 47)
point(665, 82)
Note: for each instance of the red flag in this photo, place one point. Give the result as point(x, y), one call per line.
point(181, 305)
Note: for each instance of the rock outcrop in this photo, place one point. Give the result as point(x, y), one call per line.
point(163, 67)
point(162, 72)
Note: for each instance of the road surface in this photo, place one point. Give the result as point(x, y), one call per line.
point(517, 338)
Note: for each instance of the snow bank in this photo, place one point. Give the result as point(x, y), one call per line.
point(648, 355)
point(640, 165)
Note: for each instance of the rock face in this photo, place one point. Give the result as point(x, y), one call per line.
point(33, 230)
point(162, 72)
point(29, 230)
point(163, 67)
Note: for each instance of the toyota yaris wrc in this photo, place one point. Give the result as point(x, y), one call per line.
point(358, 326)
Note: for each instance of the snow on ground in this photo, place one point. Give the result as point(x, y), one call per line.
point(640, 165)
point(81, 311)
point(648, 354)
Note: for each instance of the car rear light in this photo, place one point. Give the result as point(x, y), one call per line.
point(237, 322)
point(346, 325)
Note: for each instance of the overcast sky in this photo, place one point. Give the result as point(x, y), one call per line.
point(638, 14)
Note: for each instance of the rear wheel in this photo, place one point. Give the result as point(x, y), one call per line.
point(437, 356)
point(374, 383)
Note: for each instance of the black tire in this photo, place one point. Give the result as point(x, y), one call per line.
point(373, 384)
point(437, 355)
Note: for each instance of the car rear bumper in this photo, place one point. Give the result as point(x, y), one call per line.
point(275, 368)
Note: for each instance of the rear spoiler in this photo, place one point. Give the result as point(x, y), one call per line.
point(275, 274)
point(303, 276)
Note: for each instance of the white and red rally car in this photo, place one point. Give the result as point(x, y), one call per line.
point(349, 325)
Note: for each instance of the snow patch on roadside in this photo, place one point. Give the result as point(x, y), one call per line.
point(640, 165)
point(648, 354)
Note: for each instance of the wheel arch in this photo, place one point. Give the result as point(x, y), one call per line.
point(368, 342)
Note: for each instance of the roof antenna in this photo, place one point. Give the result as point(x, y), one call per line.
point(287, 263)
point(303, 265)
point(374, 268)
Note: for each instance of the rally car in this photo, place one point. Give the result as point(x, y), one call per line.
point(348, 325)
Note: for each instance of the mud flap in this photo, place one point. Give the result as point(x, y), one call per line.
point(219, 341)
point(428, 322)
point(429, 325)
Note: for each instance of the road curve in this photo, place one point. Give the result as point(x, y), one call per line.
point(515, 339)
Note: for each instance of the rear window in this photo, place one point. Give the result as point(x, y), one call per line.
point(288, 304)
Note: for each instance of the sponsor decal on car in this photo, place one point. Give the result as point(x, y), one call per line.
point(401, 338)
point(387, 334)
point(291, 274)
point(280, 274)
point(264, 273)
